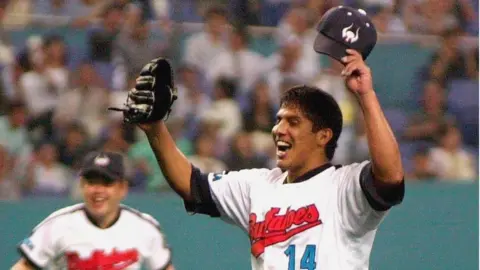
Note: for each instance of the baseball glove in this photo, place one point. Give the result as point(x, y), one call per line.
point(153, 96)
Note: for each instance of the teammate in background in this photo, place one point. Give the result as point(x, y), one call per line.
point(99, 233)
point(307, 213)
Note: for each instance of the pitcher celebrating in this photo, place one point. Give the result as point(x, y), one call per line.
point(307, 213)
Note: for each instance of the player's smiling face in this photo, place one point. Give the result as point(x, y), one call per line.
point(102, 198)
point(296, 143)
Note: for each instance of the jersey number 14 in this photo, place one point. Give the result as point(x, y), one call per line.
point(308, 258)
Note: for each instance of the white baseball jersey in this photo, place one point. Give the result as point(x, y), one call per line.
point(67, 239)
point(324, 222)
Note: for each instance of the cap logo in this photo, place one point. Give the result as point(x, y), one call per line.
point(101, 161)
point(348, 35)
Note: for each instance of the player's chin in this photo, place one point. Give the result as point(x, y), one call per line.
point(282, 164)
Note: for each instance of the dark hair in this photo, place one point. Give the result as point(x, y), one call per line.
point(111, 8)
point(229, 86)
point(320, 108)
point(215, 10)
point(53, 38)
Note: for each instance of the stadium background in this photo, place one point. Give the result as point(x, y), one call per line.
point(436, 227)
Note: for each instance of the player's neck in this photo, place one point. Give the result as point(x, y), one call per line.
point(298, 175)
point(106, 221)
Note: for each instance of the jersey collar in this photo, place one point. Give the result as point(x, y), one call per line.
point(95, 223)
point(309, 174)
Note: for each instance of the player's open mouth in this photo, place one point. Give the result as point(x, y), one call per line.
point(98, 201)
point(282, 148)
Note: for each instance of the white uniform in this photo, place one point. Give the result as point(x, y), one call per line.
point(67, 239)
point(324, 222)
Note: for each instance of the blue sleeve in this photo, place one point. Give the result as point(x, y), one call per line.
point(202, 201)
point(381, 196)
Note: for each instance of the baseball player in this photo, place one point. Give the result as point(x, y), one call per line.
point(307, 213)
point(99, 233)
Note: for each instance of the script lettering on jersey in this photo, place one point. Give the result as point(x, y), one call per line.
point(278, 228)
point(99, 259)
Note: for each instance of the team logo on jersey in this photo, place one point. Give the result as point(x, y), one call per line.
point(28, 243)
point(99, 259)
point(218, 176)
point(279, 228)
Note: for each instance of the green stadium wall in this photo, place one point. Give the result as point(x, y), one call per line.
point(436, 227)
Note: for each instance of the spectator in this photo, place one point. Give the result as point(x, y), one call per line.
point(385, 20)
point(427, 124)
point(435, 17)
point(7, 87)
point(46, 175)
point(52, 7)
point(38, 92)
point(16, 13)
point(9, 188)
point(114, 138)
point(225, 109)
point(56, 67)
point(73, 146)
point(421, 168)
point(242, 154)
point(133, 17)
point(288, 56)
point(101, 39)
point(204, 46)
point(238, 62)
point(319, 8)
point(13, 132)
point(85, 104)
point(259, 117)
point(192, 100)
point(448, 63)
point(449, 161)
point(297, 27)
point(259, 114)
point(245, 12)
point(204, 157)
point(133, 50)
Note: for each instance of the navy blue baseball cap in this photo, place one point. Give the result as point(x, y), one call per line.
point(109, 165)
point(342, 28)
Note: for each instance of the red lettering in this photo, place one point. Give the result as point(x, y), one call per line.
point(312, 214)
point(116, 260)
point(275, 228)
point(299, 216)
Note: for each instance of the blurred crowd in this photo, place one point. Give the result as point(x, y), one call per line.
point(53, 99)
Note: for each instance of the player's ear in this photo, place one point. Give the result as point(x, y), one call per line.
point(323, 136)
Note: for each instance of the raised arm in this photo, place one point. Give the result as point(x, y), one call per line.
point(147, 105)
point(384, 151)
point(175, 166)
